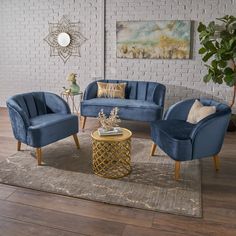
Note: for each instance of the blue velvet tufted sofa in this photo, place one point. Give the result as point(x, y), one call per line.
point(183, 141)
point(41, 118)
point(144, 101)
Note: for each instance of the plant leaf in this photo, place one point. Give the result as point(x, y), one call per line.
point(207, 78)
point(219, 79)
point(229, 80)
point(201, 27)
point(214, 64)
point(222, 64)
point(202, 50)
point(210, 46)
point(228, 71)
point(208, 56)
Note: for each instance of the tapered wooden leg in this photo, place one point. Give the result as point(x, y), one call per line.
point(153, 149)
point(83, 121)
point(18, 145)
point(177, 169)
point(76, 140)
point(39, 155)
point(216, 160)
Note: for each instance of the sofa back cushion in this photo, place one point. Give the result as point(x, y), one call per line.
point(142, 90)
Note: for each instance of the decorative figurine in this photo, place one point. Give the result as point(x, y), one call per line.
point(108, 123)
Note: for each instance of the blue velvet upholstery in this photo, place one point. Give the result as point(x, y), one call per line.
point(40, 118)
point(183, 141)
point(144, 101)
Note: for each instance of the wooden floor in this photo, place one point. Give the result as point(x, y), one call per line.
point(26, 212)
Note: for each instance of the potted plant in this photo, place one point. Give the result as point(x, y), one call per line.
point(218, 51)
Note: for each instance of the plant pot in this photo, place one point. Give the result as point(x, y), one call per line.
point(232, 124)
point(75, 89)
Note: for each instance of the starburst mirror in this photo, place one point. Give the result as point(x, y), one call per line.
point(64, 39)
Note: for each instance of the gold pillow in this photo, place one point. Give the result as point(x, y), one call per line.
point(111, 90)
point(199, 112)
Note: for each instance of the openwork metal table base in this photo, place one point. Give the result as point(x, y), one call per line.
point(112, 155)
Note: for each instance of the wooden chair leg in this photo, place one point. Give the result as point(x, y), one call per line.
point(76, 140)
point(18, 145)
point(177, 169)
point(153, 149)
point(83, 121)
point(39, 155)
point(216, 160)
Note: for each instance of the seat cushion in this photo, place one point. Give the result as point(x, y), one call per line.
point(129, 109)
point(46, 129)
point(173, 137)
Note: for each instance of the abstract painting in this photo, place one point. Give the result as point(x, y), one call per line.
point(153, 39)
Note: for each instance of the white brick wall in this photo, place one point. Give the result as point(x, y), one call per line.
point(25, 62)
point(182, 77)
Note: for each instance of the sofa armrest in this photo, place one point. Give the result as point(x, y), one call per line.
point(208, 135)
point(19, 121)
point(179, 111)
point(91, 91)
point(56, 104)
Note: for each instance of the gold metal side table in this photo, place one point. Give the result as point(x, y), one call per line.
point(112, 154)
point(70, 99)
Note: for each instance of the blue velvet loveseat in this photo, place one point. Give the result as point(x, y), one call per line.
point(144, 101)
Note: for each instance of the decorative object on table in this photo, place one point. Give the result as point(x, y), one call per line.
point(74, 87)
point(139, 96)
point(153, 39)
point(218, 49)
point(149, 186)
point(112, 154)
point(111, 90)
point(108, 123)
point(64, 39)
point(37, 119)
point(114, 131)
point(184, 141)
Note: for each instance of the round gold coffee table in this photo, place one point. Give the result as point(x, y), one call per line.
point(112, 154)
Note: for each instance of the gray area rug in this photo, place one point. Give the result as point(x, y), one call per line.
point(68, 171)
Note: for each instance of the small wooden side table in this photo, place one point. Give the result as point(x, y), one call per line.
point(112, 154)
point(70, 99)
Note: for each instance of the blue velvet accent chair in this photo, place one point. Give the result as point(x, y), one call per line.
point(41, 118)
point(183, 141)
point(144, 101)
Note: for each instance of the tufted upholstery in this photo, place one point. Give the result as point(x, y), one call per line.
point(144, 101)
point(183, 141)
point(40, 118)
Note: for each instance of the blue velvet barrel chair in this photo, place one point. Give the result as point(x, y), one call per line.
point(41, 118)
point(183, 141)
point(144, 101)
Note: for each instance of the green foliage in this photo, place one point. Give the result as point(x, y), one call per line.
point(219, 50)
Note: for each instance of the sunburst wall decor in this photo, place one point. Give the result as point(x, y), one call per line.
point(65, 39)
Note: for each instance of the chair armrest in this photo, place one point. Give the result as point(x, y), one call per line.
point(91, 91)
point(56, 104)
point(179, 111)
point(19, 121)
point(159, 95)
point(208, 135)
